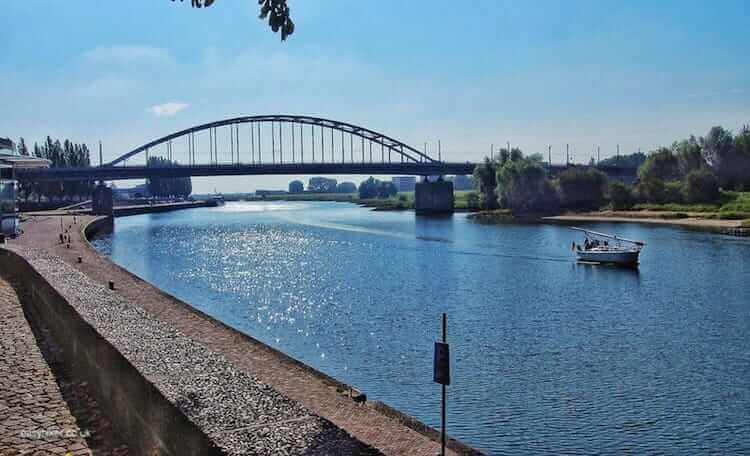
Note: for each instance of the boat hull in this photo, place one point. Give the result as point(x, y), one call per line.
point(621, 258)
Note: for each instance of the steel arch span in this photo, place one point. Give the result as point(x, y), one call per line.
point(405, 152)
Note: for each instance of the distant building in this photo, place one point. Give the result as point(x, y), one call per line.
point(404, 183)
point(264, 193)
point(138, 192)
point(9, 162)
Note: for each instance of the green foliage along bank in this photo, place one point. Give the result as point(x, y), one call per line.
point(707, 174)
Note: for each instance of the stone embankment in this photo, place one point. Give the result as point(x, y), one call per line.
point(179, 381)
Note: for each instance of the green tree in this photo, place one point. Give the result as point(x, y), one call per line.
point(167, 187)
point(701, 186)
point(728, 157)
point(634, 160)
point(277, 12)
point(346, 187)
point(660, 164)
point(296, 186)
point(651, 191)
point(22, 149)
point(321, 185)
point(368, 188)
point(620, 196)
point(742, 150)
point(523, 186)
point(689, 155)
point(485, 179)
point(582, 188)
point(374, 188)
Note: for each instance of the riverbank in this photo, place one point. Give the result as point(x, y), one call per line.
point(683, 220)
point(680, 220)
point(401, 202)
point(368, 427)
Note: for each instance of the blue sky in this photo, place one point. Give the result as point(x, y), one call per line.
point(587, 73)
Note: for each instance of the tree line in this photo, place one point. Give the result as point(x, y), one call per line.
point(168, 187)
point(322, 185)
point(692, 170)
point(60, 154)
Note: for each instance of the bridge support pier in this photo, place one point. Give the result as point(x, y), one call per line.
point(102, 202)
point(433, 198)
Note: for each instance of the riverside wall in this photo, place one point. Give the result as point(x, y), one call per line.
point(336, 419)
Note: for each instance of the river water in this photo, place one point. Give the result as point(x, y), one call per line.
point(547, 356)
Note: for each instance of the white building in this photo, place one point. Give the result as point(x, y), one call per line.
point(9, 162)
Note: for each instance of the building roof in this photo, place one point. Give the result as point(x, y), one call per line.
point(23, 161)
point(6, 143)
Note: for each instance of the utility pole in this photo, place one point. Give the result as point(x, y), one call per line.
point(549, 155)
point(598, 154)
point(101, 163)
point(440, 152)
point(567, 155)
point(492, 151)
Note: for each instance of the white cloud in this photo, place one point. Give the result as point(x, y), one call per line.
point(126, 55)
point(167, 109)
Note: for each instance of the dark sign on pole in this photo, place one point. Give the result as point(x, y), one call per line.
point(441, 371)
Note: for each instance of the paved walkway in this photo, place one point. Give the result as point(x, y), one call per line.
point(34, 418)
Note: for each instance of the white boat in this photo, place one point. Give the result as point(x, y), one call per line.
point(607, 249)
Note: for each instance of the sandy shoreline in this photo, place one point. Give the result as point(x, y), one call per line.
point(693, 221)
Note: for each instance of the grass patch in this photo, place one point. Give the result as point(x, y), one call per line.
point(733, 215)
point(745, 223)
point(674, 207)
point(735, 202)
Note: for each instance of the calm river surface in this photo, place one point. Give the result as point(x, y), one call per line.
point(548, 356)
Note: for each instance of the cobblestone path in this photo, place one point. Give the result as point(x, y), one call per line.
point(34, 418)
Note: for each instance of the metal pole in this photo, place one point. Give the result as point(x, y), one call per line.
point(343, 154)
point(440, 152)
point(445, 393)
point(273, 143)
point(301, 144)
point(252, 144)
point(333, 159)
point(294, 157)
point(281, 145)
point(322, 146)
point(260, 150)
point(312, 128)
point(351, 147)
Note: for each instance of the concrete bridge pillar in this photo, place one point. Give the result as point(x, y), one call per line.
point(102, 202)
point(433, 197)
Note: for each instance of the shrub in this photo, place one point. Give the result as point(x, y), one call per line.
point(673, 192)
point(701, 186)
point(651, 191)
point(582, 188)
point(620, 196)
